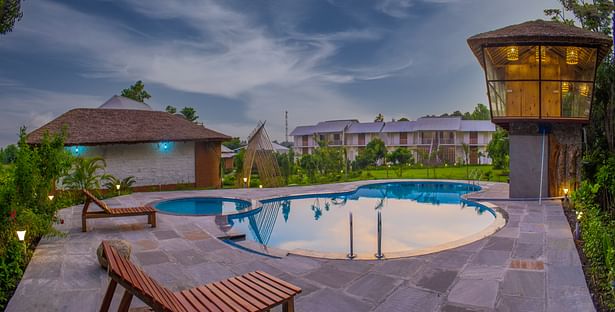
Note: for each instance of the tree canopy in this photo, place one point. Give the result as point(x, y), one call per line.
point(10, 12)
point(136, 92)
point(379, 118)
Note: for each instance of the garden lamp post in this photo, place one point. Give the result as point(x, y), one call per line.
point(245, 182)
point(540, 83)
point(50, 197)
point(21, 235)
point(117, 187)
point(577, 228)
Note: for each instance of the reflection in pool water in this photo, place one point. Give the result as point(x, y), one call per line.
point(414, 215)
point(202, 206)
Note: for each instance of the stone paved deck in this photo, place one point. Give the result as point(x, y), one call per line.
point(529, 265)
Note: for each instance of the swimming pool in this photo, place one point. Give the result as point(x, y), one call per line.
point(202, 206)
point(413, 217)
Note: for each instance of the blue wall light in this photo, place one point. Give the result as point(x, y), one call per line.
point(76, 150)
point(164, 147)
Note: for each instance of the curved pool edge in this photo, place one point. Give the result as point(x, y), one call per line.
point(500, 221)
point(254, 206)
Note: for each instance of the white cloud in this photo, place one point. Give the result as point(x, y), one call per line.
point(395, 8)
point(34, 107)
point(227, 55)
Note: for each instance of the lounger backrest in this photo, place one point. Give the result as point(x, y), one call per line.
point(97, 201)
point(145, 288)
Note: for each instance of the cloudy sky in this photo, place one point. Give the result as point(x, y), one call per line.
point(238, 62)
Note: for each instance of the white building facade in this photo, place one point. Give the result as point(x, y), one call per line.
point(442, 137)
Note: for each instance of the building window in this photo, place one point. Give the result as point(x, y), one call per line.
point(336, 139)
point(426, 137)
point(473, 137)
point(541, 82)
point(304, 151)
point(403, 138)
point(361, 138)
point(305, 140)
point(321, 138)
point(447, 137)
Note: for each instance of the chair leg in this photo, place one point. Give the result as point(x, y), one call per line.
point(125, 303)
point(84, 224)
point(289, 305)
point(104, 307)
point(152, 219)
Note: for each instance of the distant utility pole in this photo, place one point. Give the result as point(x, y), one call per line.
point(286, 128)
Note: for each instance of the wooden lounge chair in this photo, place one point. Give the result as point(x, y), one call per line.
point(112, 212)
point(255, 291)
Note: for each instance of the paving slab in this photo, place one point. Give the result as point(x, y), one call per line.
point(373, 287)
point(409, 299)
point(474, 292)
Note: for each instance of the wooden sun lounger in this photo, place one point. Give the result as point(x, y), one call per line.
point(112, 212)
point(255, 291)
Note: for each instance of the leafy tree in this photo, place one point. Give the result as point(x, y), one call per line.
point(10, 12)
point(189, 113)
point(171, 109)
point(86, 174)
point(309, 165)
point(379, 118)
point(377, 148)
point(233, 143)
point(8, 154)
point(136, 92)
point(286, 163)
point(594, 16)
point(402, 157)
point(481, 112)
point(498, 150)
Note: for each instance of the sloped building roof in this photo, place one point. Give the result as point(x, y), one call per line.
point(398, 126)
point(120, 102)
point(477, 125)
point(333, 125)
point(96, 126)
point(303, 130)
point(365, 127)
point(437, 124)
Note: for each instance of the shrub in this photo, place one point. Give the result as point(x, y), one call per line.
point(24, 204)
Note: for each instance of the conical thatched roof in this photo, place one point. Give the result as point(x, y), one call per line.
point(540, 32)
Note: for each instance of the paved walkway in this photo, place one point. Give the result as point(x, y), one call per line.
point(529, 265)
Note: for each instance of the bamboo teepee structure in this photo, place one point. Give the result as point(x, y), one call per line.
point(261, 151)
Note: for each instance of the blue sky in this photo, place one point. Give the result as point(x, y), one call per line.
point(237, 62)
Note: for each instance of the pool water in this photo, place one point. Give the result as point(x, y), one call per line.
point(202, 206)
point(413, 216)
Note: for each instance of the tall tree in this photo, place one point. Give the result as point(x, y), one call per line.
point(596, 16)
point(171, 109)
point(10, 12)
point(481, 112)
point(189, 113)
point(8, 154)
point(136, 92)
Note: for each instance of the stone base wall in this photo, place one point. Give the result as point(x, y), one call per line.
point(150, 163)
point(562, 159)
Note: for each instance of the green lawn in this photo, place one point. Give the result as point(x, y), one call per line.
point(476, 172)
point(483, 172)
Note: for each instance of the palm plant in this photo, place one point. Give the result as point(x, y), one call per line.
point(85, 174)
point(125, 183)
